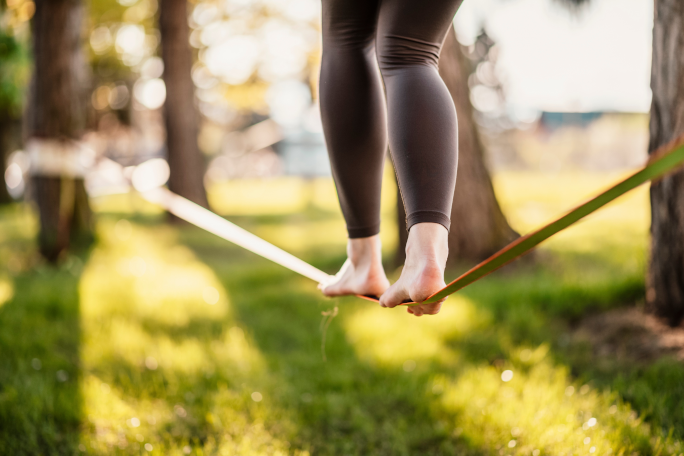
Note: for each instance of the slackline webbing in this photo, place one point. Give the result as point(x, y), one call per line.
point(661, 162)
point(215, 224)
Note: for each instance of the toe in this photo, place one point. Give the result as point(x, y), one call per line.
point(333, 289)
point(433, 309)
point(394, 296)
point(429, 309)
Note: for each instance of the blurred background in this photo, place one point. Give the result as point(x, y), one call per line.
point(124, 330)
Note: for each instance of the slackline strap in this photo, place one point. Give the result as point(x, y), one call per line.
point(661, 162)
point(205, 219)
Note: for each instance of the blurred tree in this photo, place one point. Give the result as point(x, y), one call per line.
point(181, 117)
point(13, 71)
point(14, 75)
point(665, 278)
point(55, 120)
point(479, 227)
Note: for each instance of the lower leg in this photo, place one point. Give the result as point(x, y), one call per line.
point(362, 273)
point(423, 140)
point(352, 110)
point(423, 273)
point(424, 143)
point(354, 121)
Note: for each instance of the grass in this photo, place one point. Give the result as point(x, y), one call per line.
point(166, 340)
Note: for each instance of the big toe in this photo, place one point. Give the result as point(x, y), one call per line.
point(395, 295)
point(334, 289)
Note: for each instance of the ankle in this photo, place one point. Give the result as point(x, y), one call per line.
point(366, 250)
point(428, 243)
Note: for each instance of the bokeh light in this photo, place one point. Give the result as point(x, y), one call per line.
point(288, 102)
point(130, 41)
point(151, 93)
point(150, 174)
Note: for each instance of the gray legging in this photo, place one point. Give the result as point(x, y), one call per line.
point(400, 40)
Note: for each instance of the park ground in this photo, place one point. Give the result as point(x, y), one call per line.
point(168, 340)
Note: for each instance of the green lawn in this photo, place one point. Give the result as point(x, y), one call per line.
point(166, 340)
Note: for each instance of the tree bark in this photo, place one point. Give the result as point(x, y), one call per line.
point(478, 226)
point(185, 160)
point(56, 116)
point(665, 277)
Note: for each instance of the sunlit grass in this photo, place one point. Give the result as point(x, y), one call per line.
point(531, 200)
point(321, 228)
point(518, 402)
point(6, 290)
point(18, 228)
point(287, 195)
point(395, 338)
point(124, 203)
point(539, 412)
point(168, 340)
point(166, 361)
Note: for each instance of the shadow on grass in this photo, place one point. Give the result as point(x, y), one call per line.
point(40, 400)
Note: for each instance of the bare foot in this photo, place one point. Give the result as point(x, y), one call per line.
point(423, 274)
point(362, 273)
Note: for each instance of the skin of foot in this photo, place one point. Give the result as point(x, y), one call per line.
point(427, 249)
point(362, 273)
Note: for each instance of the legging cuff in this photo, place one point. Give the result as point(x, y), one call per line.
point(366, 231)
point(428, 216)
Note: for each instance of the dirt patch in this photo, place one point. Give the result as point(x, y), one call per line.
point(630, 334)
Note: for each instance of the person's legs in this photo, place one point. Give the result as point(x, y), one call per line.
point(423, 138)
point(354, 122)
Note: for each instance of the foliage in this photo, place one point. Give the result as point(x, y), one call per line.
point(14, 73)
point(15, 64)
point(171, 341)
point(122, 38)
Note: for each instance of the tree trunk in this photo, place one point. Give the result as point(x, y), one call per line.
point(55, 120)
point(478, 227)
point(10, 128)
point(185, 160)
point(665, 278)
